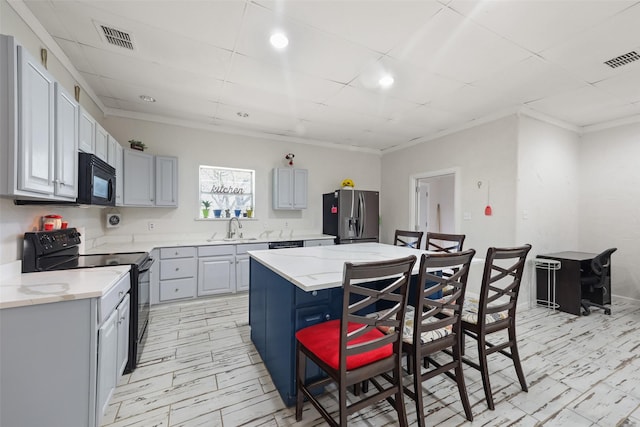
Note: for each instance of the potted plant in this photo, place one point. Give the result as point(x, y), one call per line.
point(205, 210)
point(137, 145)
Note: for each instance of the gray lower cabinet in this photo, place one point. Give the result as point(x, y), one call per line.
point(113, 352)
point(51, 371)
point(216, 270)
point(242, 263)
point(178, 272)
point(124, 317)
point(107, 360)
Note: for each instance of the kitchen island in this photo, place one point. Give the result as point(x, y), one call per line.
point(291, 289)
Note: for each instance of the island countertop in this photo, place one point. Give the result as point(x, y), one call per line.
point(321, 267)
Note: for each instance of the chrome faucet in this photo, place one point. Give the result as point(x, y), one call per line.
point(230, 232)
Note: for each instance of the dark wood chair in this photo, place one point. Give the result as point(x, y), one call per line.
point(495, 310)
point(441, 242)
point(435, 326)
point(597, 282)
point(411, 239)
point(447, 243)
point(353, 349)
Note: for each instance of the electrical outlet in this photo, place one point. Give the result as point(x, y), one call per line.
point(151, 226)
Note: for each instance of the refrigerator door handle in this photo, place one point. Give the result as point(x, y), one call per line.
point(363, 218)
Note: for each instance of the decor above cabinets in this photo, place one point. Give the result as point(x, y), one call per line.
point(150, 180)
point(290, 188)
point(38, 129)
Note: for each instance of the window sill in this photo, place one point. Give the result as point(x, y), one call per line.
point(226, 219)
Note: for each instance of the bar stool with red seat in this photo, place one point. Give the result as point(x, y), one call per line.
point(353, 349)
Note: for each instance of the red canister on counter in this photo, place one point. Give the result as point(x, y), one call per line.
point(54, 220)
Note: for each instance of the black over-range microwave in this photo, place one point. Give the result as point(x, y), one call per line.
point(96, 181)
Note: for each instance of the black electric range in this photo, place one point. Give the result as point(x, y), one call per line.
point(58, 250)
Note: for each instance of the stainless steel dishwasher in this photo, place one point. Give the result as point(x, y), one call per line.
point(286, 244)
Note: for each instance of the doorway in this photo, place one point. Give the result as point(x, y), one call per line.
point(435, 201)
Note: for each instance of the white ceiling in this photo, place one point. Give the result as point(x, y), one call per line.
point(455, 62)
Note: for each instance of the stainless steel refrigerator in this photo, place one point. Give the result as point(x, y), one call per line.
point(351, 215)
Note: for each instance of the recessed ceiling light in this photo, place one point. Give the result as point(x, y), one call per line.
point(242, 114)
point(147, 98)
point(279, 40)
point(386, 81)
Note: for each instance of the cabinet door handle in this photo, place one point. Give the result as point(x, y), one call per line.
point(175, 290)
point(314, 293)
point(120, 293)
point(327, 316)
point(177, 268)
point(313, 318)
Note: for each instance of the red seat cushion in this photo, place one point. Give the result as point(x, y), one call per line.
point(323, 340)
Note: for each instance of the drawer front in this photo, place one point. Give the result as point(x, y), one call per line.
point(313, 297)
point(246, 247)
point(177, 252)
point(177, 268)
point(110, 300)
point(310, 316)
point(177, 289)
point(216, 250)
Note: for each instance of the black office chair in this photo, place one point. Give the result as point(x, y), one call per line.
point(597, 281)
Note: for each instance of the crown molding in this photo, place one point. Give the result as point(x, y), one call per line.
point(611, 124)
point(529, 112)
point(235, 131)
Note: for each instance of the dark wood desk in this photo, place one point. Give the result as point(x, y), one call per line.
point(568, 289)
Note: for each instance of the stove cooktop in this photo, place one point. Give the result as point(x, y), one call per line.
point(58, 250)
point(102, 260)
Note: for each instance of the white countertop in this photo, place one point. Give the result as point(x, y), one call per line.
point(148, 246)
point(55, 286)
point(322, 267)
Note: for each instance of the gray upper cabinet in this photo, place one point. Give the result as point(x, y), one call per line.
point(111, 151)
point(29, 155)
point(102, 142)
point(87, 141)
point(119, 165)
point(138, 179)
point(66, 144)
point(150, 180)
point(166, 181)
point(36, 122)
point(290, 188)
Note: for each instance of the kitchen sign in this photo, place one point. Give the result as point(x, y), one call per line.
point(227, 189)
point(221, 189)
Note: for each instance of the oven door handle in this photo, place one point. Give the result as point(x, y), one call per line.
point(147, 265)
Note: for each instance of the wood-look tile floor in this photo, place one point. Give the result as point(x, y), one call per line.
point(199, 368)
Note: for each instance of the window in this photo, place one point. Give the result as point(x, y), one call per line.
point(228, 191)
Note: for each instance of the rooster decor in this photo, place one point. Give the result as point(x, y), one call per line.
point(290, 157)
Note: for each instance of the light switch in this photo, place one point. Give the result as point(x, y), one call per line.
point(466, 216)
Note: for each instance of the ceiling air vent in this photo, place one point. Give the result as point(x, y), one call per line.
point(621, 60)
point(116, 37)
